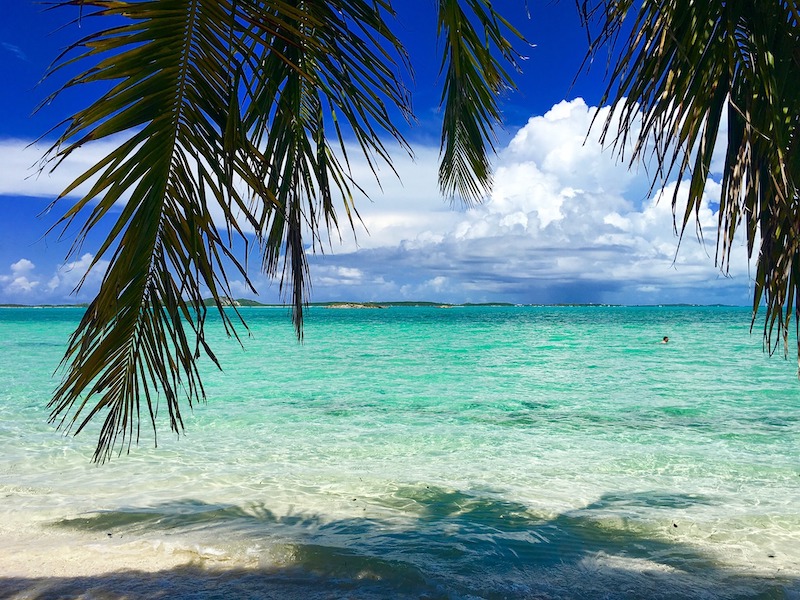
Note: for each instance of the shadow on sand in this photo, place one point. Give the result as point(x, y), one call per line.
point(448, 544)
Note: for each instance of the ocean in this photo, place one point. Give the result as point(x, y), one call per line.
point(421, 452)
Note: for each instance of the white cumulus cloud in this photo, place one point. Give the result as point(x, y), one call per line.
point(22, 172)
point(23, 283)
point(22, 267)
point(566, 222)
point(77, 273)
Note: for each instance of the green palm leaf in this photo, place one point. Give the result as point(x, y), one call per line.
point(476, 44)
point(683, 67)
point(213, 96)
point(323, 68)
point(141, 335)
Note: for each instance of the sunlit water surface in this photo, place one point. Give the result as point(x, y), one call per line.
point(473, 452)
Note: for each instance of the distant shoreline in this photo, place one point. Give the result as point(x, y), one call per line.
point(348, 304)
point(44, 306)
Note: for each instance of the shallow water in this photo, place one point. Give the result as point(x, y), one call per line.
point(503, 452)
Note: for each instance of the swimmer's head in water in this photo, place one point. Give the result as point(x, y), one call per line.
point(665, 340)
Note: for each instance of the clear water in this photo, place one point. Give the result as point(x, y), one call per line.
point(525, 452)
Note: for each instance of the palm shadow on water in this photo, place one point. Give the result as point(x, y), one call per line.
point(448, 544)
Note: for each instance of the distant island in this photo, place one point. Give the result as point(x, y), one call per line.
point(355, 305)
point(243, 302)
point(79, 305)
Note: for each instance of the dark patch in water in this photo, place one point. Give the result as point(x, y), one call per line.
point(163, 517)
point(198, 583)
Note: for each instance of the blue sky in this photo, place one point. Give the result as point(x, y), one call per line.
point(564, 223)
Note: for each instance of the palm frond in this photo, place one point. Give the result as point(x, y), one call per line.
point(684, 66)
point(166, 68)
point(322, 68)
point(210, 96)
point(476, 44)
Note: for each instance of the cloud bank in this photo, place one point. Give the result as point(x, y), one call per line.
point(566, 222)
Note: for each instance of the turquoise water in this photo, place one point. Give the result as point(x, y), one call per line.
point(473, 452)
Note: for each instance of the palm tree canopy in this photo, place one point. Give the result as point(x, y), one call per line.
point(250, 108)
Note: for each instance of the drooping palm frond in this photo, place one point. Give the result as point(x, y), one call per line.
point(476, 44)
point(684, 67)
point(167, 67)
point(214, 96)
point(324, 74)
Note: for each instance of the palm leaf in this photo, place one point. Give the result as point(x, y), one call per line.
point(141, 335)
point(684, 65)
point(326, 66)
point(210, 94)
point(475, 45)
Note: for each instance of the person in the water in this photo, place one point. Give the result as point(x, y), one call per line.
point(665, 340)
